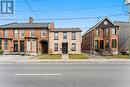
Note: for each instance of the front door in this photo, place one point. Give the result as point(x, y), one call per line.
point(101, 44)
point(15, 46)
point(65, 48)
point(21, 46)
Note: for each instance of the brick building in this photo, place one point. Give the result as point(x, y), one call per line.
point(28, 38)
point(65, 41)
point(101, 38)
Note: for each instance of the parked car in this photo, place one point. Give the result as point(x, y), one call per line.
point(125, 52)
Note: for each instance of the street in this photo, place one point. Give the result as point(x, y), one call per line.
point(65, 75)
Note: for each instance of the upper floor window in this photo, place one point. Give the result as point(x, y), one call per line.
point(15, 33)
point(5, 33)
point(114, 31)
point(73, 35)
point(43, 33)
point(21, 33)
point(56, 36)
point(107, 31)
point(32, 33)
point(97, 32)
point(65, 35)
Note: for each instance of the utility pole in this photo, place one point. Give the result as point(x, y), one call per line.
point(127, 3)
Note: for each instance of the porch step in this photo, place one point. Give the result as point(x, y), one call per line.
point(65, 56)
point(105, 52)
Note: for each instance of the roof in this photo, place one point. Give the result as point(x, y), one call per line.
point(25, 25)
point(66, 30)
point(97, 24)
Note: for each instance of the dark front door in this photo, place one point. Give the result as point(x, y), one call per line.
point(15, 46)
point(21, 46)
point(101, 44)
point(65, 48)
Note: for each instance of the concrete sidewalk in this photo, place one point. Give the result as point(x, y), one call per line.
point(32, 59)
point(24, 60)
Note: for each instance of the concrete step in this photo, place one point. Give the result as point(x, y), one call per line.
point(65, 56)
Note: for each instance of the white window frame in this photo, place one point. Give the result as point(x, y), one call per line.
point(73, 35)
point(32, 33)
point(56, 44)
point(113, 31)
point(22, 31)
point(56, 35)
point(16, 33)
point(5, 33)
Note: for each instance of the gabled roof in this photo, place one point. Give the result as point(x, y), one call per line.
point(66, 30)
point(98, 23)
point(25, 25)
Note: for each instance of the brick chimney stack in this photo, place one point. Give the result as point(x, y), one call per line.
point(30, 20)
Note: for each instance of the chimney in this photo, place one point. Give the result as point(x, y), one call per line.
point(30, 20)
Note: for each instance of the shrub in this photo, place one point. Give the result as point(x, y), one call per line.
point(1, 52)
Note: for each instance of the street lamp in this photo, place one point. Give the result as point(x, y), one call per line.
point(127, 3)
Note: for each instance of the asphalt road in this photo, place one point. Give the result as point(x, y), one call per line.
point(64, 75)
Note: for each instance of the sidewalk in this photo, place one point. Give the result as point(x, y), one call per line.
point(31, 59)
point(65, 61)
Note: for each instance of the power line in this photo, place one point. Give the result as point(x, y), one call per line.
point(31, 9)
point(76, 9)
point(76, 18)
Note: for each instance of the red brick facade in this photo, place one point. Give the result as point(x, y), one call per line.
point(103, 35)
point(34, 40)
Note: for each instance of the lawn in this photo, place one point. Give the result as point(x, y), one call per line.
point(120, 56)
point(78, 56)
point(46, 56)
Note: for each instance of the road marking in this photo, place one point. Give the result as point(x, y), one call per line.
point(53, 74)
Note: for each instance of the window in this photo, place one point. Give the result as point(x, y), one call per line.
point(56, 47)
point(97, 32)
point(107, 43)
point(65, 35)
point(21, 33)
point(5, 33)
point(114, 43)
point(73, 46)
point(56, 36)
point(6, 44)
point(0, 44)
point(96, 44)
point(73, 35)
point(32, 33)
point(107, 31)
point(114, 31)
point(100, 32)
point(15, 33)
point(43, 33)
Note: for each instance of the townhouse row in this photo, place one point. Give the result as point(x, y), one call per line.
point(39, 38)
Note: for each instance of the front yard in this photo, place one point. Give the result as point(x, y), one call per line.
point(78, 56)
point(46, 56)
point(120, 56)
